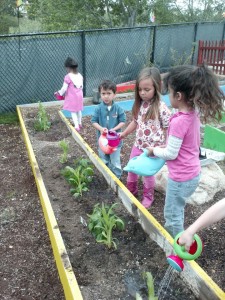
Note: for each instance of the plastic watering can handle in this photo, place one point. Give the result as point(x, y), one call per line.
point(113, 133)
point(145, 152)
point(182, 253)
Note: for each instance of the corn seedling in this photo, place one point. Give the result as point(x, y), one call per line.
point(42, 122)
point(150, 285)
point(79, 177)
point(65, 148)
point(102, 222)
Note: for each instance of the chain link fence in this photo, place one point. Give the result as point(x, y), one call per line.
point(32, 65)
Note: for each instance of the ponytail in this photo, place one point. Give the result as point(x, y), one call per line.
point(206, 94)
point(200, 88)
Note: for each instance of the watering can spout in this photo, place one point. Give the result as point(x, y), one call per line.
point(176, 261)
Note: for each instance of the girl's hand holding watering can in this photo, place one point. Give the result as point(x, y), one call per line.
point(194, 251)
point(150, 151)
point(58, 96)
point(121, 135)
point(212, 215)
point(186, 239)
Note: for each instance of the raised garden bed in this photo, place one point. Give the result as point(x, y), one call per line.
point(120, 270)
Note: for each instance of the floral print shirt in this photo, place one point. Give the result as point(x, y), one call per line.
point(151, 133)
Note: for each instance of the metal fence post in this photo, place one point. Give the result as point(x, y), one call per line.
point(223, 34)
point(153, 44)
point(83, 60)
point(194, 43)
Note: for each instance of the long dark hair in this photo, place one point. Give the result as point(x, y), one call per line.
point(153, 74)
point(200, 88)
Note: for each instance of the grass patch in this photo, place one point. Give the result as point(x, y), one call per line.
point(9, 118)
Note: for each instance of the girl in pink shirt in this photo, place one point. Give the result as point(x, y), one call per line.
point(72, 89)
point(150, 122)
point(195, 93)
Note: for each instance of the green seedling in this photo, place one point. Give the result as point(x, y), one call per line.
point(65, 148)
point(79, 177)
point(102, 222)
point(184, 58)
point(42, 122)
point(150, 285)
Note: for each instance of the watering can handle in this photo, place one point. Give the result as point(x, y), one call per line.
point(112, 132)
point(183, 248)
point(182, 253)
point(145, 152)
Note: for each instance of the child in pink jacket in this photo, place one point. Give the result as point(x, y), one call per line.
point(72, 89)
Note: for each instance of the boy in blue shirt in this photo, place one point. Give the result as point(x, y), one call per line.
point(109, 116)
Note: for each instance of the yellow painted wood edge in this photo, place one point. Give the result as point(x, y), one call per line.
point(206, 278)
point(196, 268)
point(67, 277)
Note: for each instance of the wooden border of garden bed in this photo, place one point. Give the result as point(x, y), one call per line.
point(195, 277)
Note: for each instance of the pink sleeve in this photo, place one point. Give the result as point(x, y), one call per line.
point(178, 128)
point(67, 79)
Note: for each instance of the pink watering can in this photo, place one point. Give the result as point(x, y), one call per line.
point(113, 138)
point(176, 261)
point(108, 142)
point(58, 96)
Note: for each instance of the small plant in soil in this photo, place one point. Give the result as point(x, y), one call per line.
point(150, 285)
point(64, 145)
point(42, 122)
point(102, 222)
point(79, 177)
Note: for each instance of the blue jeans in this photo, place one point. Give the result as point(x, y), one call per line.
point(176, 195)
point(112, 161)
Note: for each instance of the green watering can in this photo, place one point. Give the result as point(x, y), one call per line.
point(176, 261)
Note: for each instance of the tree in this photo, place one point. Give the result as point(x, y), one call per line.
point(79, 14)
point(57, 15)
point(8, 15)
point(202, 10)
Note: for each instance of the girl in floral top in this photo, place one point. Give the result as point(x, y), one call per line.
point(150, 121)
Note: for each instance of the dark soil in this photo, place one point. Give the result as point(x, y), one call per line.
point(102, 273)
point(27, 269)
